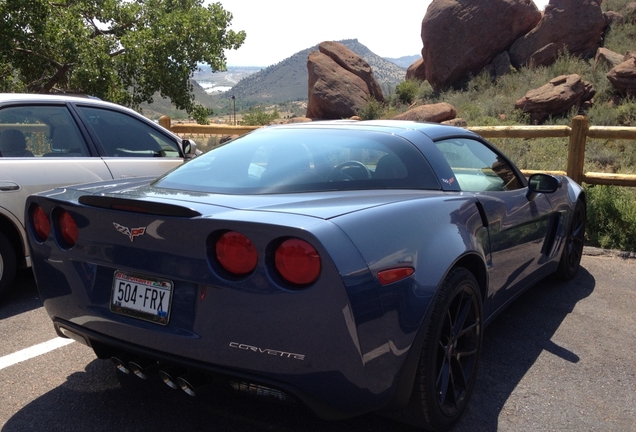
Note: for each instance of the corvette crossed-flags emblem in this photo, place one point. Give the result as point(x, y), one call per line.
point(130, 232)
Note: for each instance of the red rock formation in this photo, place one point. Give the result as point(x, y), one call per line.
point(436, 113)
point(557, 97)
point(341, 83)
point(608, 58)
point(416, 71)
point(462, 37)
point(575, 25)
point(353, 63)
point(623, 76)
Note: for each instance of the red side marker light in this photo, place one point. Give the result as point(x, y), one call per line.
point(394, 275)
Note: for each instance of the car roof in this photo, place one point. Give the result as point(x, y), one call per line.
point(48, 98)
point(396, 127)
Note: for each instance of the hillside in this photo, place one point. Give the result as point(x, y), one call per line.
point(283, 82)
point(162, 106)
point(405, 61)
point(287, 80)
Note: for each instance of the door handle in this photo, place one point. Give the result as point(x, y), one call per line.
point(8, 186)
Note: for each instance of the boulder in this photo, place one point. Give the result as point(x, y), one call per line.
point(605, 57)
point(436, 113)
point(614, 18)
point(628, 55)
point(341, 83)
point(353, 63)
point(416, 71)
point(574, 25)
point(459, 122)
point(629, 12)
point(546, 55)
point(623, 77)
point(462, 37)
point(500, 66)
point(557, 97)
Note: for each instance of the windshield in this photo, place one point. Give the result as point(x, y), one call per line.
point(281, 160)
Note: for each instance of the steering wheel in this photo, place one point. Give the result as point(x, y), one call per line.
point(350, 170)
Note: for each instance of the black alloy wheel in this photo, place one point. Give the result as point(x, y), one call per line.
point(449, 360)
point(573, 246)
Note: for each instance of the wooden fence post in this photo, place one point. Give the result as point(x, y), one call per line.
point(576, 150)
point(165, 122)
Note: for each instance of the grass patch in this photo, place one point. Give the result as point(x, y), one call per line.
point(611, 217)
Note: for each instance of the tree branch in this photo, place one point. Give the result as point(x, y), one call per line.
point(64, 5)
point(116, 53)
point(46, 88)
point(36, 54)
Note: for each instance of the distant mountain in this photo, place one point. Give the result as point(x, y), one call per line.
point(405, 61)
point(283, 82)
point(287, 80)
point(221, 81)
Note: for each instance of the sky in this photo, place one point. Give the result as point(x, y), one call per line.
point(278, 29)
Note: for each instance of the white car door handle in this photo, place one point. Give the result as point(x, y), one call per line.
point(7, 186)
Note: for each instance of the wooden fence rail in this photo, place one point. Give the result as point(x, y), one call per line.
point(577, 133)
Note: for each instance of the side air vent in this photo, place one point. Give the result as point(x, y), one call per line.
point(137, 206)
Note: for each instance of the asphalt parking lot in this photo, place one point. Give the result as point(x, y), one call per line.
point(561, 358)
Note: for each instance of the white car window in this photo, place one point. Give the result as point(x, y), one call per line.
point(40, 131)
point(121, 135)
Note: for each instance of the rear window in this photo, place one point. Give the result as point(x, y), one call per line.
point(280, 160)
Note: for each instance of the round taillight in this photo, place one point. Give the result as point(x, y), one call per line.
point(297, 262)
point(41, 223)
point(68, 229)
point(236, 253)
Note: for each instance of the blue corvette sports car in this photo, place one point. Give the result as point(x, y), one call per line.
point(348, 266)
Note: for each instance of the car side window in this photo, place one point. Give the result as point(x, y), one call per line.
point(40, 131)
point(122, 135)
point(477, 168)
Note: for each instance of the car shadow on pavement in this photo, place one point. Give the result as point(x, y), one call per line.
point(514, 341)
point(22, 297)
point(95, 399)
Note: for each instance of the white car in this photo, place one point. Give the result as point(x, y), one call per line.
point(48, 141)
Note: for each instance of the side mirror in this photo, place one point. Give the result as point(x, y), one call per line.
point(189, 148)
point(542, 183)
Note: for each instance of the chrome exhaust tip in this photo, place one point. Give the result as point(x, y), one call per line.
point(121, 363)
point(169, 376)
point(142, 367)
point(192, 383)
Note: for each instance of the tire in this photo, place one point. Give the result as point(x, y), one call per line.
point(573, 247)
point(7, 265)
point(449, 359)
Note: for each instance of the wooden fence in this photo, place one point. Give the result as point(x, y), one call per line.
point(196, 129)
point(577, 133)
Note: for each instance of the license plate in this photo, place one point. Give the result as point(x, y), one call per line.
point(141, 297)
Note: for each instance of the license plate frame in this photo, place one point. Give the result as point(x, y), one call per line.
point(141, 297)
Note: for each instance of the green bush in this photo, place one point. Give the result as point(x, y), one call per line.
point(373, 110)
point(258, 117)
point(611, 217)
point(406, 91)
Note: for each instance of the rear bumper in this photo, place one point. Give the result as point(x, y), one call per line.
point(106, 347)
